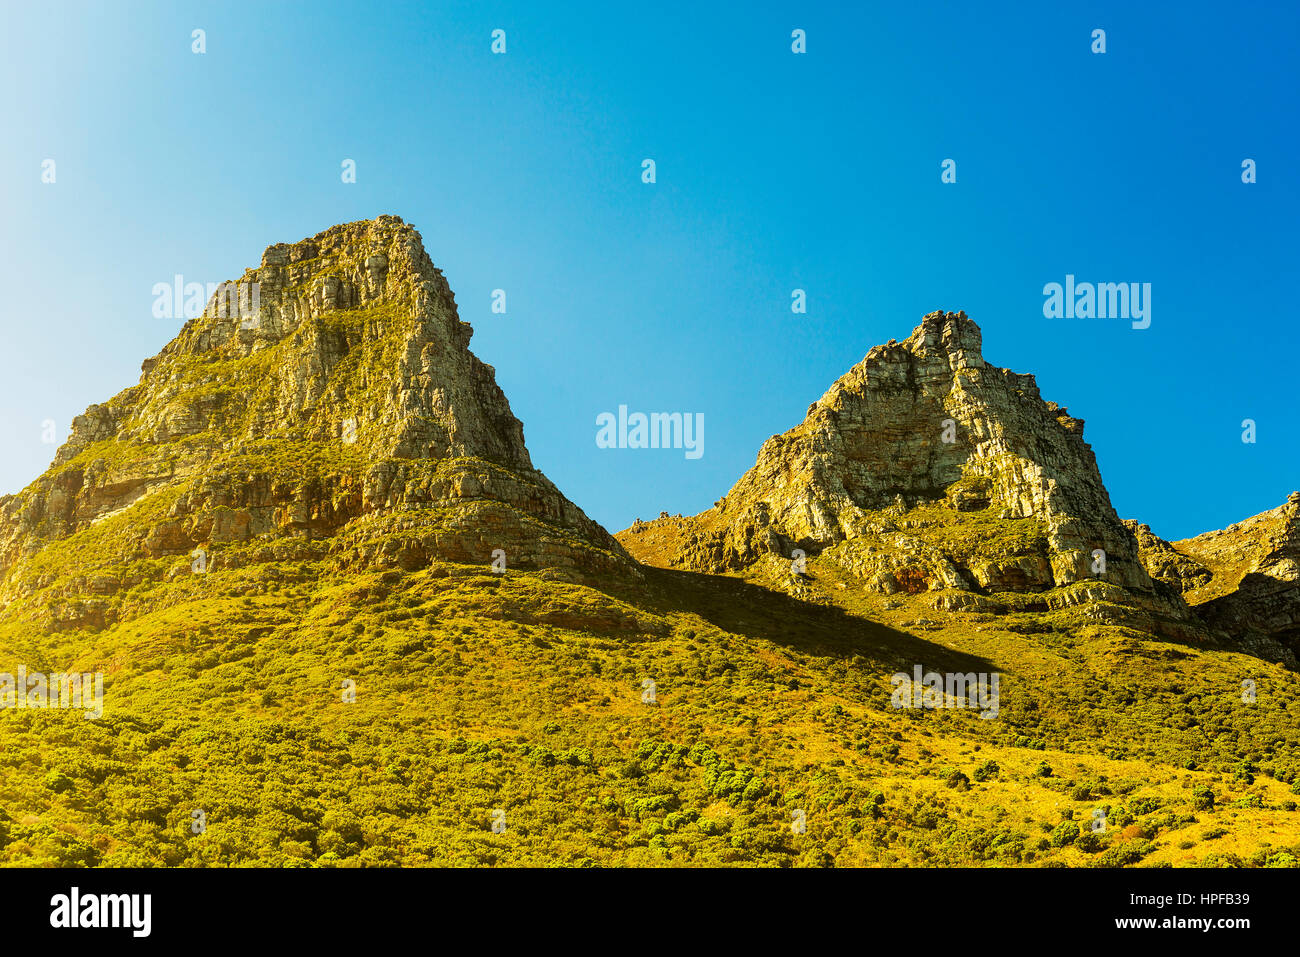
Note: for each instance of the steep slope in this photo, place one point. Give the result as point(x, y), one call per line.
point(339, 411)
point(925, 468)
point(348, 682)
point(519, 700)
point(1243, 580)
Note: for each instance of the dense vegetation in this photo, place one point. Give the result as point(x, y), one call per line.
point(523, 692)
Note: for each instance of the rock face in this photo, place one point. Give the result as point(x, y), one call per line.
point(329, 308)
point(916, 424)
point(341, 404)
point(1243, 580)
point(1166, 564)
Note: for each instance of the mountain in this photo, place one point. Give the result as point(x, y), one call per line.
point(345, 407)
point(1243, 581)
point(339, 620)
point(926, 468)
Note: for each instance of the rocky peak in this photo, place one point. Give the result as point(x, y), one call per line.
point(917, 422)
point(352, 334)
point(948, 336)
point(1242, 581)
point(337, 397)
point(1259, 541)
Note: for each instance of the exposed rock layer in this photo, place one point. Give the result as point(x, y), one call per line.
point(926, 469)
point(345, 406)
point(920, 421)
point(1243, 581)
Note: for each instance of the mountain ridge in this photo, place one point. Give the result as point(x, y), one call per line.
point(399, 644)
point(925, 434)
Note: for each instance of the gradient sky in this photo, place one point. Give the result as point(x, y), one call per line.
point(775, 171)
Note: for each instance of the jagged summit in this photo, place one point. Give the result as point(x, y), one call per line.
point(336, 399)
point(921, 422)
point(951, 334)
point(332, 300)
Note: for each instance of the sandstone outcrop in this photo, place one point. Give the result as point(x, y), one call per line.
point(338, 408)
point(1243, 580)
point(917, 425)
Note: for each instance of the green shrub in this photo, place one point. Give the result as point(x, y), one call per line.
point(1090, 842)
point(1124, 854)
point(59, 782)
point(1067, 832)
point(957, 780)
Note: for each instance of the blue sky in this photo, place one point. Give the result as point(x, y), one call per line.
point(775, 171)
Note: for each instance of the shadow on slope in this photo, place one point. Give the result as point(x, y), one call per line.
point(742, 608)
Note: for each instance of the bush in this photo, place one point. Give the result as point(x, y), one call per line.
point(1090, 842)
point(676, 819)
point(986, 771)
point(1124, 853)
point(1067, 832)
point(1147, 805)
point(1121, 817)
point(59, 782)
point(956, 779)
point(1203, 799)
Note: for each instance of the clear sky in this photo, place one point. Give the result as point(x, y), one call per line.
point(775, 171)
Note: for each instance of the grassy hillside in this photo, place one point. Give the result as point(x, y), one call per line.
point(524, 692)
point(350, 683)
